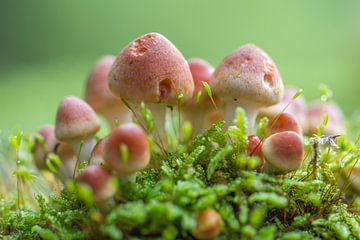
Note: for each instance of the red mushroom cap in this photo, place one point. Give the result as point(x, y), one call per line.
point(99, 180)
point(134, 138)
point(42, 149)
point(75, 120)
point(151, 69)
point(284, 122)
point(283, 152)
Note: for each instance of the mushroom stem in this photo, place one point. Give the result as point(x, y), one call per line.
point(160, 115)
point(83, 149)
point(250, 109)
point(197, 116)
point(116, 115)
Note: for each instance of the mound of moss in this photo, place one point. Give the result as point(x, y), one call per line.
point(202, 172)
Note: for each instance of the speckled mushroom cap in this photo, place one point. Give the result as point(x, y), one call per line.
point(248, 74)
point(97, 92)
point(151, 69)
point(75, 120)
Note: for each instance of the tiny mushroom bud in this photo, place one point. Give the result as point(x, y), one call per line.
point(283, 122)
point(249, 78)
point(208, 224)
point(197, 110)
point(126, 150)
point(77, 124)
point(99, 96)
point(43, 146)
point(100, 182)
point(315, 118)
point(296, 106)
point(153, 70)
point(283, 152)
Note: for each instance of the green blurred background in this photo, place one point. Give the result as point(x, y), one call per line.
point(47, 47)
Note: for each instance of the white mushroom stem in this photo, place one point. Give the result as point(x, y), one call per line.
point(197, 116)
point(250, 109)
point(160, 115)
point(83, 149)
point(115, 115)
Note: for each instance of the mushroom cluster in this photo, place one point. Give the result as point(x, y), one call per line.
point(150, 70)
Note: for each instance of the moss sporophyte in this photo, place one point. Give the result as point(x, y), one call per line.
point(187, 163)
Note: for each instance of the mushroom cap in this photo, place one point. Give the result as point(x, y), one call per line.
point(254, 148)
point(99, 180)
point(315, 117)
point(41, 150)
point(151, 69)
point(97, 152)
point(283, 152)
point(249, 74)
point(208, 224)
point(97, 92)
point(284, 122)
point(75, 120)
point(134, 138)
point(201, 71)
point(297, 106)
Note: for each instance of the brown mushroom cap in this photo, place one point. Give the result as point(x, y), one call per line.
point(283, 152)
point(315, 118)
point(208, 224)
point(97, 92)
point(151, 69)
point(134, 138)
point(248, 74)
point(75, 120)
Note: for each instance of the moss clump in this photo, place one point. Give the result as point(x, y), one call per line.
point(204, 172)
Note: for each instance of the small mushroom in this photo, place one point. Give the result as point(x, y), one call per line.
point(297, 107)
point(152, 69)
point(126, 151)
point(44, 146)
point(100, 181)
point(208, 224)
point(283, 152)
point(249, 78)
point(77, 124)
point(283, 122)
point(254, 148)
point(99, 96)
point(68, 158)
point(97, 152)
point(199, 112)
point(315, 118)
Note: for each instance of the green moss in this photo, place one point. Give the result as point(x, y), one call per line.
point(163, 201)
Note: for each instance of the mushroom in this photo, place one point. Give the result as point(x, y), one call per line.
point(249, 78)
point(296, 106)
point(77, 124)
point(283, 122)
point(97, 152)
point(199, 113)
point(99, 97)
point(44, 145)
point(283, 152)
point(208, 224)
point(100, 181)
point(315, 118)
point(126, 151)
point(152, 69)
point(254, 149)
point(67, 156)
